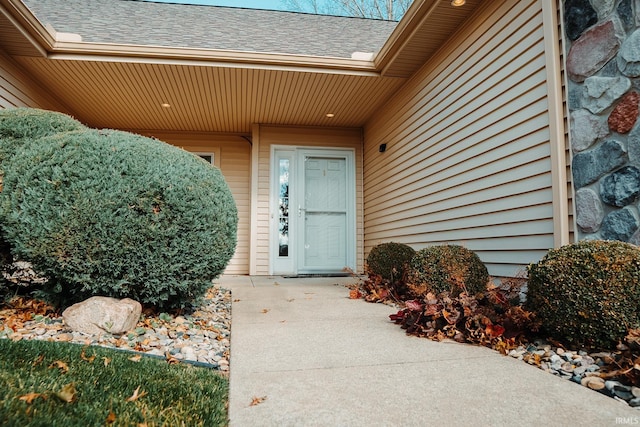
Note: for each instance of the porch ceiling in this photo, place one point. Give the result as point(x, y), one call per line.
point(127, 95)
point(125, 86)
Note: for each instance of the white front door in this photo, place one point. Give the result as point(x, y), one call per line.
point(313, 229)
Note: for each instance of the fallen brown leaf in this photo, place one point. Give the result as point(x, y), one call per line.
point(135, 358)
point(257, 400)
point(170, 359)
point(265, 310)
point(111, 418)
point(30, 397)
point(136, 395)
point(38, 360)
point(106, 361)
point(355, 294)
point(67, 394)
point(64, 368)
point(83, 356)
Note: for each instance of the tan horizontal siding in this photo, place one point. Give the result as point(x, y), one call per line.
point(18, 90)
point(458, 80)
point(468, 154)
point(424, 187)
point(306, 137)
point(233, 157)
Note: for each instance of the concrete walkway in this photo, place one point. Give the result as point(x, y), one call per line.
point(320, 359)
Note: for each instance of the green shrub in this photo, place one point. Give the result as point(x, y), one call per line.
point(19, 125)
point(389, 260)
point(447, 268)
point(587, 293)
point(116, 214)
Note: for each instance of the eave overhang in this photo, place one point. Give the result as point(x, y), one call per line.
point(127, 86)
point(20, 32)
point(30, 37)
point(422, 31)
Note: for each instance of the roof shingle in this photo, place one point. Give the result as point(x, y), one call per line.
point(137, 22)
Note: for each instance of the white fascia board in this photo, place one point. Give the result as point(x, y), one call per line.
point(63, 50)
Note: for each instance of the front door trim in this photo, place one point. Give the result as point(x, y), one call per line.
point(292, 264)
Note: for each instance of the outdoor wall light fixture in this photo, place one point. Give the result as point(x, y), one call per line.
point(165, 105)
point(330, 115)
point(382, 148)
point(457, 3)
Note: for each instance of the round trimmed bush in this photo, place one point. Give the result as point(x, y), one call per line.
point(117, 214)
point(447, 268)
point(389, 260)
point(587, 293)
point(21, 125)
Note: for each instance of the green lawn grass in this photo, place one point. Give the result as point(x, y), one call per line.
point(61, 384)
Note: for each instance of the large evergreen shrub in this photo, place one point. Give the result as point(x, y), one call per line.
point(587, 293)
point(20, 125)
point(116, 214)
point(447, 268)
point(17, 126)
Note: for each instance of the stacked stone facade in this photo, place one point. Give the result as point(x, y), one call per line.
point(603, 70)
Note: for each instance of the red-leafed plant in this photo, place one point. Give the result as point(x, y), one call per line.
point(486, 318)
point(624, 362)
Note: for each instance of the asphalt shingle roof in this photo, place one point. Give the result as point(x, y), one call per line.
point(212, 27)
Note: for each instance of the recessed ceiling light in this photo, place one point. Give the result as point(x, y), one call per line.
point(165, 105)
point(457, 3)
point(330, 115)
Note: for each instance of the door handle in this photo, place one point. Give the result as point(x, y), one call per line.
point(300, 210)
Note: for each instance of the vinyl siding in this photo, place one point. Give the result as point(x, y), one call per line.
point(308, 137)
point(18, 90)
point(232, 156)
point(468, 151)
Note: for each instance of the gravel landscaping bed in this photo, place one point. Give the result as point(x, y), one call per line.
point(201, 337)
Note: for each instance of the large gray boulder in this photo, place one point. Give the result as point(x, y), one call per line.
point(99, 315)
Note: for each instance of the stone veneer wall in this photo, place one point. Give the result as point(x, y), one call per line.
point(603, 70)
